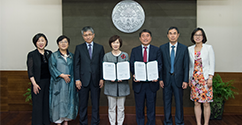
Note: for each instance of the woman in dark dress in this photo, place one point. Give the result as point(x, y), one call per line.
point(38, 71)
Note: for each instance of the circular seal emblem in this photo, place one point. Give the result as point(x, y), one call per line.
point(128, 16)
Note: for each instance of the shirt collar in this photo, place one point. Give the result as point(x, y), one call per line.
point(67, 52)
point(89, 43)
point(145, 46)
point(173, 45)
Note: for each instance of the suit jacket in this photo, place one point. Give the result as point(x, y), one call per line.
point(136, 55)
point(34, 63)
point(208, 60)
point(181, 64)
point(86, 69)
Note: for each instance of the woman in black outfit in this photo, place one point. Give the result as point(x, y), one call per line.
point(38, 71)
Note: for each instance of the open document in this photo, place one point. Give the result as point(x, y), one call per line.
point(116, 71)
point(146, 71)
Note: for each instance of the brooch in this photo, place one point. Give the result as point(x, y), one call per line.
point(123, 56)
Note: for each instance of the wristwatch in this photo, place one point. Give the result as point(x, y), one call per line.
point(210, 78)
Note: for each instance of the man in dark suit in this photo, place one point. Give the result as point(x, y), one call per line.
point(88, 75)
point(174, 76)
point(145, 90)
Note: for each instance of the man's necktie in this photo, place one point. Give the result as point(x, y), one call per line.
point(90, 50)
point(145, 55)
point(172, 59)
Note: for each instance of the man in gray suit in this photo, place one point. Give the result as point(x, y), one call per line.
point(88, 75)
point(174, 76)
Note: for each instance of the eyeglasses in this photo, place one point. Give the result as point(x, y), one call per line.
point(63, 41)
point(198, 35)
point(86, 35)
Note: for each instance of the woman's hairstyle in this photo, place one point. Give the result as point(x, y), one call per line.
point(36, 38)
point(203, 33)
point(61, 38)
point(114, 38)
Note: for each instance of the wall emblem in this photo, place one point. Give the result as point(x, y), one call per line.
point(128, 16)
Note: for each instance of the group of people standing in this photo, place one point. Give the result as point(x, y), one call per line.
point(61, 81)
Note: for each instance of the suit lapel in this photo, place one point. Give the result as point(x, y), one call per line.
point(84, 46)
point(150, 51)
point(177, 52)
point(94, 50)
point(167, 51)
point(140, 53)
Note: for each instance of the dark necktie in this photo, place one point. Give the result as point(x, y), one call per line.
point(145, 55)
point(90, 50)
point(172, 59)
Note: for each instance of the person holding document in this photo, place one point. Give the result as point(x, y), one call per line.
point(145, 90)
point(174, 77)
point(116, 90)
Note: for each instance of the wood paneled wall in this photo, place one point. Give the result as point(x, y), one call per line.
point(13, 85)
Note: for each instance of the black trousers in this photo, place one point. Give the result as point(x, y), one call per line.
point(83, 104)
point(40, 112)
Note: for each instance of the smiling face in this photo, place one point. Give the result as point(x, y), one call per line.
point(115, 45)
point(63, 44)
point(198, 37)
point(145, 38)
point(173, 35)
point(88, 36)
point(41, 43)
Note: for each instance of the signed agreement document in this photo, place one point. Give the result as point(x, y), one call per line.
point(116, 71)
point(146, 71)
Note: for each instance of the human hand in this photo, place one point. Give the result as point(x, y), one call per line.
point(184, 85)
point(36, 89)
point(134, 79)
point(154, 80)
point(161, 84)
point(210, 83)
point(190, 83)
point(66, 77)
point(101, 83)
point(79, 84)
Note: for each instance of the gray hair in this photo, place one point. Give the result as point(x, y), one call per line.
point(87, 28)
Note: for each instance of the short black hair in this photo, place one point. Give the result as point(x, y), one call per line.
point(173, 27)
point(203, 33)
point(145, 30)
point(114, 38)
point(61, 38)
point(36, 38)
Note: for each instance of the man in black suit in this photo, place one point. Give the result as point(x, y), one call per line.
point(88, 75)
point(174, 76)
point(145, 91)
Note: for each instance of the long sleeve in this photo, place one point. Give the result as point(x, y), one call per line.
point(52, 67)
point(101, 63)
point(211, 61)
point(159, 64)
point(30, 65)
point(132, 62)
point(77, 64)
point(186, 65)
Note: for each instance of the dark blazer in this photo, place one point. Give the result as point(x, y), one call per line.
point(181, 64)
point(34, 63)
point(136, 55)
point(86, 69)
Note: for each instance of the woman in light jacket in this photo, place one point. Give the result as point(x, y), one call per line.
point(201, 72)
point(63, 95)
point(116, 91)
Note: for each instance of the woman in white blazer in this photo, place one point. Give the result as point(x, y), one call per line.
point(201, 71)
